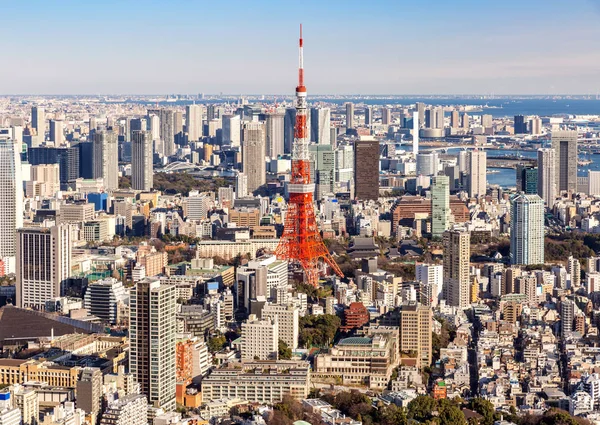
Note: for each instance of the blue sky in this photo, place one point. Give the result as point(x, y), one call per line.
point(362, 47)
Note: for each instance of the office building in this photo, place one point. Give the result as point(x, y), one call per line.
point(457, 254)
point(386, 116)
point(520, 124)
point(287, 321)
point(129, 410)
point(231, 130)
point(368, 116)
point(535, 126)
point(68, 160)
point(89, 391)
point(415, 332)
point(477, 173)
point(152, 339)
point(434, 117)
point(142, 172)
point(38, 122)
point(349, 116)
point(76, 213)
point(11, 200)
point(322, 169)
point(102, 299)
point(487, 121)
point(455, 119)
point(57, 132)
point(366, 169)
point(416, 119)
point(9, 414)
point(320, 124)
point(288, 129)
point(253, 155)
point(527, 179)
point(260, 338)
point(547, 179)
point(43, 264)
point(44, 181)
point(564, 144)
point(274, 134)
point(527, 229)
point(240, 380)
point(420, 110)
point(440, 205)
point(26, 400)
point(106, 158)
point(193, 122)
point(241, 185)
point(427, 164)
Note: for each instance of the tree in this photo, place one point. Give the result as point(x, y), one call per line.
point(285, 352)
point(450, 413)
point(420, 408)
point(216, 343)
point(485, 408)
point(318, 330)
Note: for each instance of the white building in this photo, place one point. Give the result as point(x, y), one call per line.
point(430, 275)
point(260, 339)
point(193, 122)
point(129, 410)
point(11, 201)
point(547, 176)
point(9, 414)
point(477, 172)
point(287, 319)
point(527, 229)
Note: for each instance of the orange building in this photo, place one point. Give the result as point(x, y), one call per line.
point(439, 390)
point(184, 360)
point(355, 316)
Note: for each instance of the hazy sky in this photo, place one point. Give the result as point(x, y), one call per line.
point(351, 46)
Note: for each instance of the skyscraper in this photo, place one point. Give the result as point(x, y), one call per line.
point(320, 123)
point(11, 200)
point(166, 130)
point(152, 340)
point(477, 173)
point(567, 315)
point(274, 134)
point(527, 229)
point(547, 180)
point(106, 158)
point(427, 163)
point(368, 116)
point(57, 132)
point(455, 119)
point(231, 130)
point(415, 332)
point(43, 264)
point(253, 155)
point(288, 128)
point(520, 124)
point(366, 169)
point(38, 122)
point(193, 122)
point(349, 115)
point(564, 144)
point(386, 116)
point(142, 173)
point(434, 117)
point(527, 179)
point(322, 169)
point(415, 133)
point(457, 253)
point(420, 109)
point(440, 205)
point(465, 121)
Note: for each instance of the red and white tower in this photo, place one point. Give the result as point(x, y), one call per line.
point(301, 241)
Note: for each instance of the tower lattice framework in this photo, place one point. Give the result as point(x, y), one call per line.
point(301, 241)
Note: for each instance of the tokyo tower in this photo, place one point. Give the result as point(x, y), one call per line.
point(301, 241)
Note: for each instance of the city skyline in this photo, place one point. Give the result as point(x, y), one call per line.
point(382, 48)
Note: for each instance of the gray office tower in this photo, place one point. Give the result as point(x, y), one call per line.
point(349, 115)
point(141, 161)
point(320, 122)
point(564, 144)
point(288, 129)
point(38, 121)
point(106, 158)
point(166, 145)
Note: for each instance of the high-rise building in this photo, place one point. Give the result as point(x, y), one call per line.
point(260, 338)
point(535, 126)
point(102, 299)
point(11, 200)
point(574, 270)
point(547, 180)
point(253, 155)
point(386, 116)
point(434, 117)
point(89, 391)
point(416, 119)
point(527, 229)
point(106, 158)
point(368, 116)
point(322, 169)
point(287, 322)
point(43, 264)
point(193, 122)
point(26, 400)
point(477, 173)
point(142, 173)
point(427, 164)
point(455, 119)
point(241, 185)
point(440, 205)
point(520, 124)
point(320, 124)
point(68, 159)
point(487, 121)
point(57, 134)
point(465, 121)
point(366, 169)
point(44, 181)
point(420, 109)
point(288, 128)
point(527, 179)
point(457, 254)
point(349, 115)
point(231, 130)
point(415, 332)
point(564, 144)
point(431, 276)
point(38, 122)
point(274, 135)
point(165, 126)
point(567, 316)
point(152, 340)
